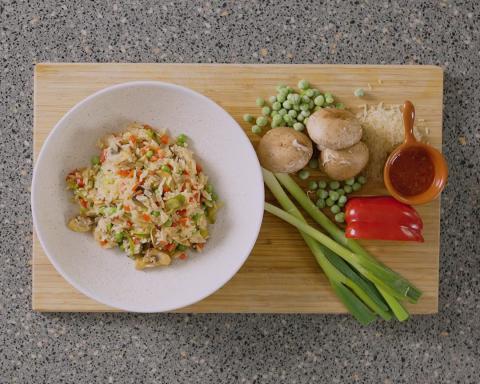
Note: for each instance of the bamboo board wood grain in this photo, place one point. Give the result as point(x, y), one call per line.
point(280, 276)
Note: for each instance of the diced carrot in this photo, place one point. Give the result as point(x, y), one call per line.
point(132, 139)
point(185, 172)
point(183, 221)
point(80, 182)
point(166, 188)
point(83, 203)
point(164, 139)
point(103, 242)
point(154, 158)
point(146, 217)
point(182, 256)
point(169, 247)
point(160, 153)
point(199, 246)
point(198, 168)
point(126, 208)
point(181, 212)
point(123, 172)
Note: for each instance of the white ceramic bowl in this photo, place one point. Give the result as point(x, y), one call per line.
point(225, 153)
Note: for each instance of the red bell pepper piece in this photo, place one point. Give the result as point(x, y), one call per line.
point(382, 218)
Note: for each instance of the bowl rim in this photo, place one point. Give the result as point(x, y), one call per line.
point(55, 131)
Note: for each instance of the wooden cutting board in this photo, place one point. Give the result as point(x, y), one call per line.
point(280, 275)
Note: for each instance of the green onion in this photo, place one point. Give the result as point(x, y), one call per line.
point(395, 286)
point(95, 160)
point(337, 279)
point(175, 202)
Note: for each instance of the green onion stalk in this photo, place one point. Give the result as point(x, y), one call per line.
point(358, 295)
point(392, 283)
point(372, 281)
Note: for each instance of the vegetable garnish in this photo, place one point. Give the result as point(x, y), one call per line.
point(141, 194)
point(365, 286)
point(382, 218)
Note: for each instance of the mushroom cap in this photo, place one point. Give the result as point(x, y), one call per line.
point(284, 150)
point(344, 163)
point(334, 128)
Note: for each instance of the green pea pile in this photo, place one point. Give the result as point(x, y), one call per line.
point(333, 194)
point(290, 107)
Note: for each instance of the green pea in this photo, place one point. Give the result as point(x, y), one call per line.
point(300, 117)
point(347, 188)
point(298, 127)
point(333, 195)
point(277, 120)
point(335, 209)
point(305, 121)
point(359, 92)
point(181, 247)
point(112, 210)
point(329, 202)
point(305, 99)
point(313, 163)
point(334, 185)
point(293, 113)
point(281, 97)
point(248, 118)
point(156, 213)
point(304, 107)
point(329, 98)
point(319, 100)
point(260, 102)
point(266, 111)
point(272, 99)
point(320, 203)
point(287, 104)
point(166, 169)
point(280, 87)
point(311, 104)
point(321, 193)
point(256, 129)
point(322, 184)
point(276, 106)
point(262, 121)
point(274, 113)
point(317, 107)
point(361, 179)
point(303, 84)
point(304, 174)
point(289, 89)
point(282, 112)
point(356, 186)
point(149, 154)
point(209, 188)
point(95, 160)
point(340, 106)
point(312, 185)
point(181, 139)
point(309, 93)
point(316, 92)
point(305, 113)
point(294, 98)
point(350, 181)
point(288, 119)
point(342, 199)
point(119, 237)
point(340, 217)
point(296, 107)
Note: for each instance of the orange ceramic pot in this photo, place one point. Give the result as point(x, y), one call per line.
point(439, 169)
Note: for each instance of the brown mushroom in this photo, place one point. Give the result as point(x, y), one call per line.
point(344, 163)
point(334, 128)
point(284, 150)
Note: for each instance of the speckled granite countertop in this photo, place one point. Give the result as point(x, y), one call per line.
point(174, 348)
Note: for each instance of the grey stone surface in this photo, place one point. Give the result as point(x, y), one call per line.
point(173, 348)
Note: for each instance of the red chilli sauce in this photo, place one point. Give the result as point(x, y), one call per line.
point(412, 171)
